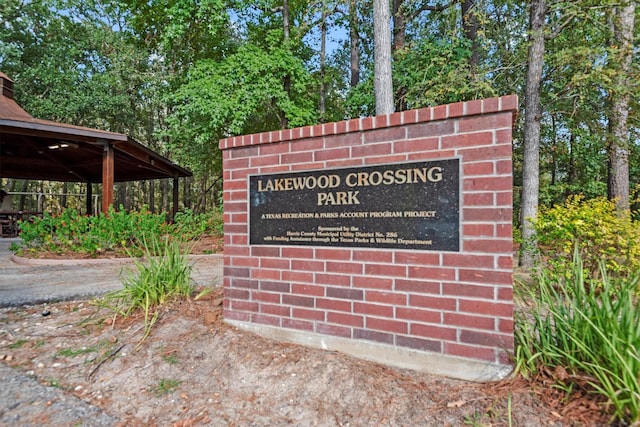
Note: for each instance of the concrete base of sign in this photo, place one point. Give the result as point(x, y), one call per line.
point(400, 357)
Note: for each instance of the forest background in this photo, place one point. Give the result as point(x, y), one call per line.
point(178, 75)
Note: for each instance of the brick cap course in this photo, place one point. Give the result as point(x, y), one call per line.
point(423, 115)
point(399, 357)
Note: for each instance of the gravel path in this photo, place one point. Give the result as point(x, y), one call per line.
point(25, 402)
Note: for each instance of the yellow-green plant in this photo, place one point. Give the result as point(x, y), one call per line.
point(601, 233)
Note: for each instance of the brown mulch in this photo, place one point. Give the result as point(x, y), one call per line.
point(204, 245)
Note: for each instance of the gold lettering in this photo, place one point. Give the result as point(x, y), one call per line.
point(435, 174)
point(420, 174)
point(388, 177)
point(400, 176)
point(338, 198)
point(354, 179)
point(299, 183)
point(375, 178)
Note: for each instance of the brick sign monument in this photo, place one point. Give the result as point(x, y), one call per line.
point(388, 237)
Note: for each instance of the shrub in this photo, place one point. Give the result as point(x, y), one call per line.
point(118, 233)
point(590, 332)
point(190, 225)
point(596, 228)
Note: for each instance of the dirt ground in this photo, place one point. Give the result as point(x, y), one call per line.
point(196, 370)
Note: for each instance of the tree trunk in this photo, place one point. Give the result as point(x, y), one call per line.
point(286, 81)
point(354, 44)
point(399, 26)
point(399, 41)
point(571, 175)
point(123, 196)
point(164, 187)
point(618, 144)
point(285, 19)
point(187, 192)
point(532, 117)
point(323, 57)
point(383, 84)
point(470, 29)
point(151, 196)
point(65, 189)
point(23, 189)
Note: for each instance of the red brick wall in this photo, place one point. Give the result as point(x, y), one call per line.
point(455, 304)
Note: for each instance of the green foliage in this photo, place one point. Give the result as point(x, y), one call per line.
point(245, 87)
point(590, 332)
point(179, 75)
point(361, 101)
point(118, 233)
point(188, 225)
point(436, 71)
point(163, 277)
point(594, 226)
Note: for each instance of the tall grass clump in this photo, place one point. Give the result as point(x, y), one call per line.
point(593, 332)
point(162, 276)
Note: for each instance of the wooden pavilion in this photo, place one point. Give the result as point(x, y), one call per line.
point(45, 150)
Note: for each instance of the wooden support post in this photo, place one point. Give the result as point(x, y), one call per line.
point(108, 157)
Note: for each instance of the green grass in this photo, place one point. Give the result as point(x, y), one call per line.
point(171, 359)
point(592, 331)
point(73, 352)
point(165, 386)
point(18, 344)
point(53, 382)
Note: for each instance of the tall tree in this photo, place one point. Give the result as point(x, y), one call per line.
point(470, 27)
point(383, 84)
point(354, 44)
point(323, 59)
point(532, 118)
point(618, 146)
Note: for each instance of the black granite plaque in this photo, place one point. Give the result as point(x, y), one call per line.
point(407, 206)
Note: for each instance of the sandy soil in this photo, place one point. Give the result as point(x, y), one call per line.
point(196, 370)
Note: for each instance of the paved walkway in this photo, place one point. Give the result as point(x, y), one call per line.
point(24, 401)
point(31, 281)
